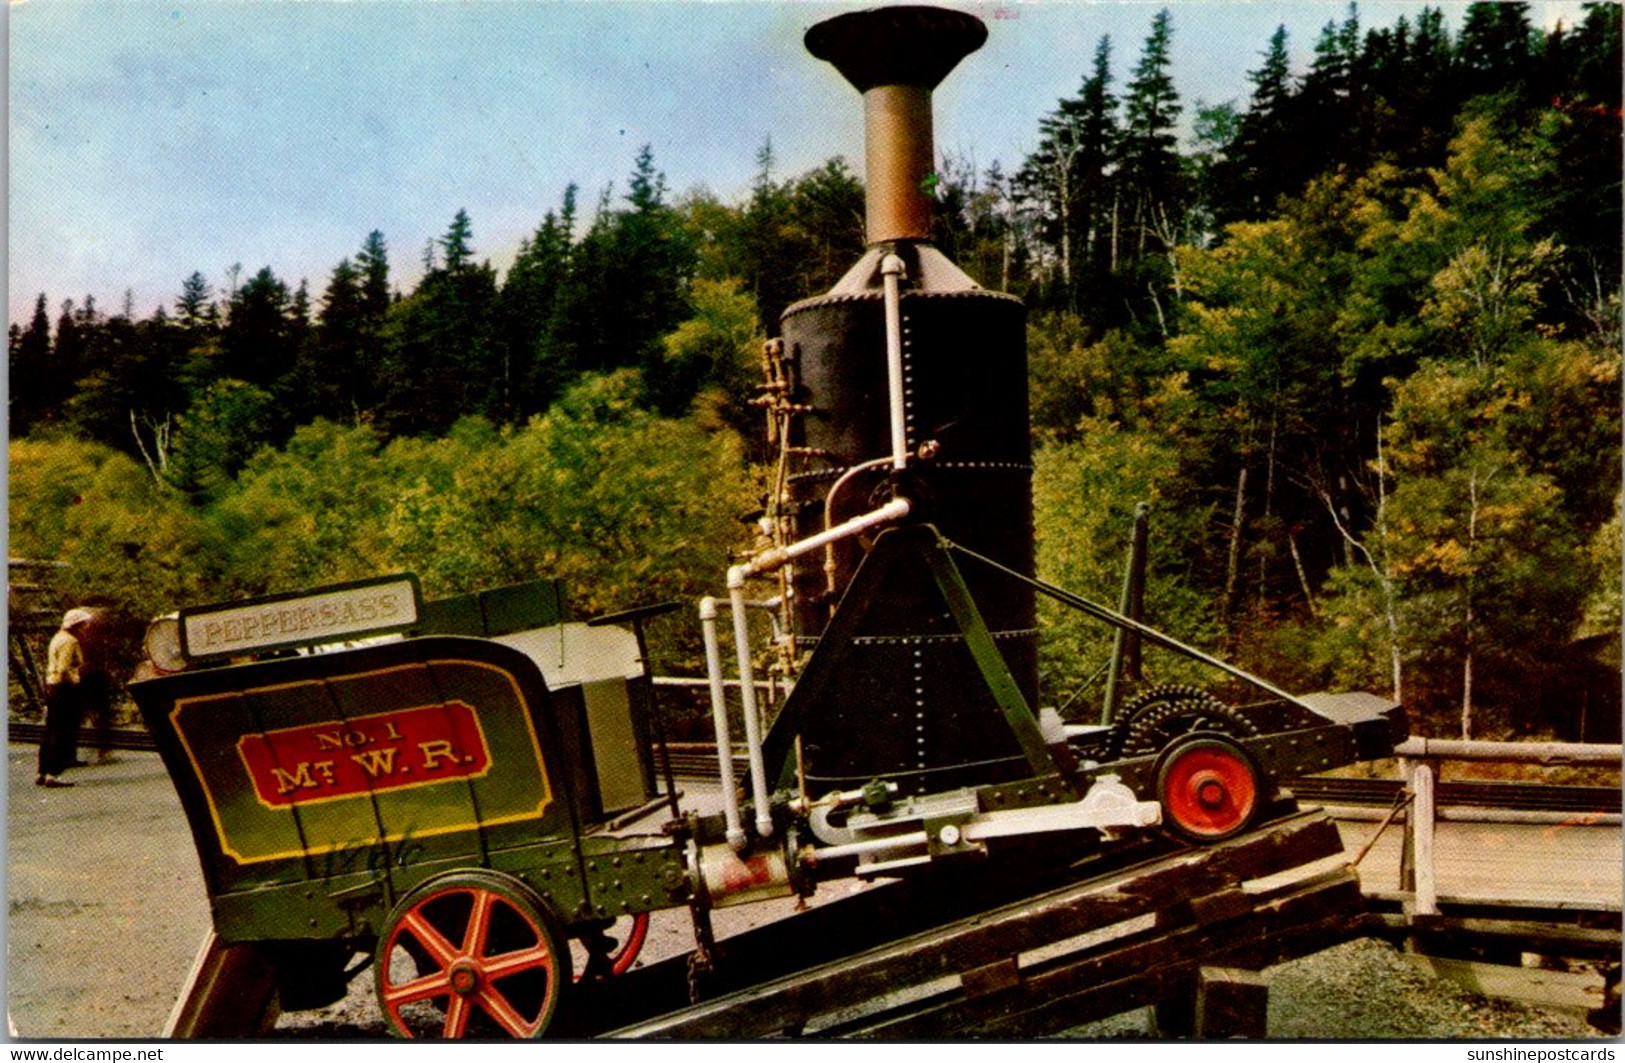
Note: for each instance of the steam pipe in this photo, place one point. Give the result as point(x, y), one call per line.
point(753, 721)
point(766, 561)
point(877, 845)
point(891, 268)
point(719, 723)
point(829, 513)
point(779, 556)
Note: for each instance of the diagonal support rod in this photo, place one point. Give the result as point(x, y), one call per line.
point(1118, 620)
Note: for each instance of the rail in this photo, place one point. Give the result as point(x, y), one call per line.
point(1419, 767)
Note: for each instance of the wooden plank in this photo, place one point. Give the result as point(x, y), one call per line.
point(993, 937)
point(1426, 901)
point(229, 992)
point(1231, 1002)
point(1552, 939)
point(1555, 989)
point(1129, 973)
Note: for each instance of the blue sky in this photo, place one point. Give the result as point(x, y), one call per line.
point(150, 139)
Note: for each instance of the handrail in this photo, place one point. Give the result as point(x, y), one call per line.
point(1418, 757)
point(1549, 753)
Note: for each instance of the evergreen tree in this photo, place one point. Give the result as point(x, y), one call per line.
point(1067, 179)
point(30, 400)
point(454, 246)
point(194, 307)
point(764, 238)
point(441, 358)
point(1264, 163)
point(68, 353)
point(1152, 197)
point(630, 283)
point(330, 378)
point(528, 310)
point(130, 392)
point(1323, 110)
point(260, 337)
point(1494, 49)
point(372, 264)
point(372, 268)
point(1150, 176)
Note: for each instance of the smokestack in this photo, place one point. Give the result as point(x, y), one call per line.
point(911, 705)
point(895, 56)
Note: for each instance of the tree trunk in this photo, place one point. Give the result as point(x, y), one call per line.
point(1467, 697)
point(1233, 567)
point(1117, 201)
point(1303, 577)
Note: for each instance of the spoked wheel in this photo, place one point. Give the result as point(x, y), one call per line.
point(1209, 787)
point(471, 954)
point(609, 955)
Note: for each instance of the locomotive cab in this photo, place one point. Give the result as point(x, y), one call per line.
point(326, 785)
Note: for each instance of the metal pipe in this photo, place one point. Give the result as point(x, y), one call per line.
point(719, 723)
point(891, 269)
point(753, 722)
point(779, 556)
point(897, 162)
point(878, 845)
point(766, 561)
point(829, 513)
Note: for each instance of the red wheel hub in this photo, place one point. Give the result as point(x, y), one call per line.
point(464, 977)
point(1210, 789)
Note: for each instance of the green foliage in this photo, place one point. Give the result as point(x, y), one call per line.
point(626, 507)
point(441, 356)
point(217, 435)
point(123, 537)
point(712, 360)
point(1084, 496)
point(313, 512)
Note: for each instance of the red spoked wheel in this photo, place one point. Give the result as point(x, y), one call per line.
point(1209, 787)
point(607, 956)
point(471, 954)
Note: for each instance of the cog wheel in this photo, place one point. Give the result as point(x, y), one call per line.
point(1147, 724)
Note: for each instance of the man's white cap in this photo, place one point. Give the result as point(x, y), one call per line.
point(74, 617)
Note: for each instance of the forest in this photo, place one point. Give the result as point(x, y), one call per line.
point(1355, 338)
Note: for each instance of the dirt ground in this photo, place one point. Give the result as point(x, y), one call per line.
point(106, 907)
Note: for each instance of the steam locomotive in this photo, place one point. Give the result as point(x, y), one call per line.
point(445, 786)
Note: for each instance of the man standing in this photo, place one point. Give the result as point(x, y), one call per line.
point(64, 672)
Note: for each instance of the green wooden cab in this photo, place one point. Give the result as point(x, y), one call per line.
point(330, 789)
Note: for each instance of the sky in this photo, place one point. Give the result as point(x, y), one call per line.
point(148, 140)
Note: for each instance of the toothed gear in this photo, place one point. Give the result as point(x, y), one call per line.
point(1159, 715)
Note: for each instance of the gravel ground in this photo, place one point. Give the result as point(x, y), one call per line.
point(1363, 990)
